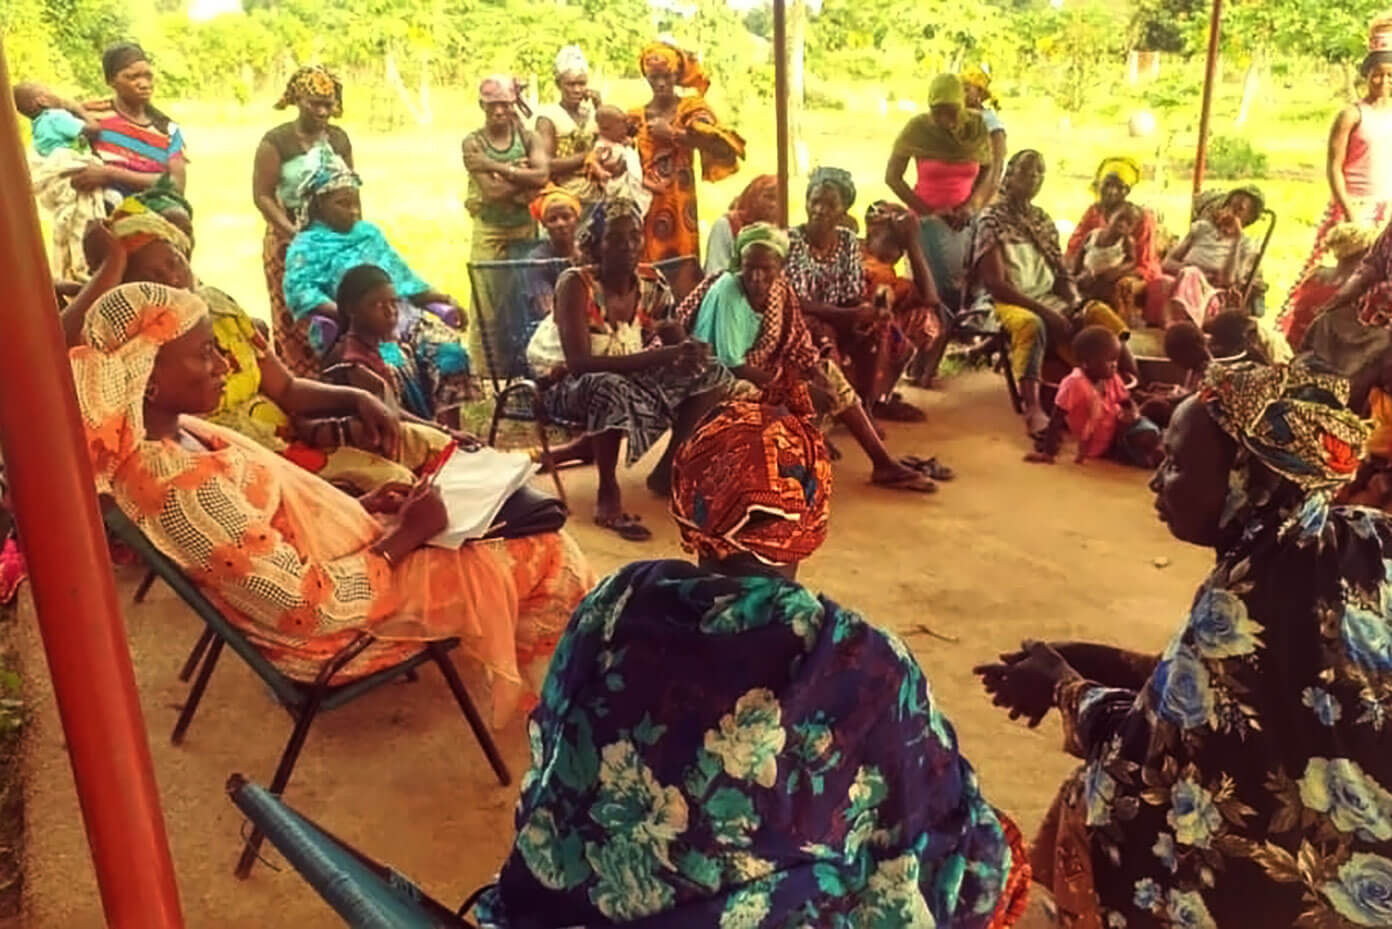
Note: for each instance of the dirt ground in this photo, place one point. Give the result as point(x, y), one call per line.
point(1008, 550)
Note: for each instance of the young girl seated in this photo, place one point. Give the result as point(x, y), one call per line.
point(1347, 243)
point(1105, 268)
point(379, 362)
point(1094, 404)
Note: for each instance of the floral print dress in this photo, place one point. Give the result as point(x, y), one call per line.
point(736, 752)
point(1249, 781)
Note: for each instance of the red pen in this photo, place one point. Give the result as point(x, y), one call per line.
point(445, 455)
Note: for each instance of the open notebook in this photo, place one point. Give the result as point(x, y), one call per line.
point(475, 485)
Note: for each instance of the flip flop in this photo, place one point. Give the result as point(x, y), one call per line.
point(627, 527)
point(915, 483)
point(929, 467)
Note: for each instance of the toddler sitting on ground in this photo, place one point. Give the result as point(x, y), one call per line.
point(613, 164)
point(1094, 404)
point(61, 129)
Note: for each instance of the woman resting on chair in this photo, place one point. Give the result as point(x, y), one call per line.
point(302, 567)
point(719, 746)
point(333, 239)
point(1206, 270)
point(1020, 263)
point(347, 437)
point(598, 373)
point(750, 318)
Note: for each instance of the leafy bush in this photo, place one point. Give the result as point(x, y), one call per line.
point(1234, 159)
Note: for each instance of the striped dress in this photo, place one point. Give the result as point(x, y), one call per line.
point(149, 148)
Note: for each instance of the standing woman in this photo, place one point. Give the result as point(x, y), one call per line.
point(951, 149)
point(668, 132)
point(137, 143)
point(567, 128)
point(283, 160)
point(1359, 163)
point(976, 83)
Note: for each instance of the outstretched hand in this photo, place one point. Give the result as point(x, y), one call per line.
point(1023, 682)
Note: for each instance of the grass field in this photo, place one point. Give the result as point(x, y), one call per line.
point(414, 181)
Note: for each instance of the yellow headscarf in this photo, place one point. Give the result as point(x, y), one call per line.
point(978, 76)
point(137, 230)
point(660, 57)
point(1128, 169)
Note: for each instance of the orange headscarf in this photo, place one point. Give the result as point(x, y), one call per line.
point(741, 211)
point(659, 57)
point(550, 196)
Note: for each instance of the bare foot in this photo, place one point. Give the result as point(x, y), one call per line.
point(897, 477)
point(1036, 421)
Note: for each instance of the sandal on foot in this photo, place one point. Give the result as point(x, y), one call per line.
point(929, 467)
point(916, 483)
point(627, 527)
point(897, 411)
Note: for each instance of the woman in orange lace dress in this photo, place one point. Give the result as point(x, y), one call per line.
point(299, 566)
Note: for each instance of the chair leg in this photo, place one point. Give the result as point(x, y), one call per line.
point(303, 721)
point(471, 713)
point(195, 695)
point(144, 589)
point(196, 655)
point(547, 460)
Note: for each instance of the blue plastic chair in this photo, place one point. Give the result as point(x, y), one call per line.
point(367, 894)
point(303, 701)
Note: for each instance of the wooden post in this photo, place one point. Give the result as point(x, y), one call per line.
point(79, 615)
point(780, 102)
point(1215, 24)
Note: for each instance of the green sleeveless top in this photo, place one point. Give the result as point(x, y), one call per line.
point(508, 213)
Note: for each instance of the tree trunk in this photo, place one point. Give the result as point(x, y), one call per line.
point(797, 87)
point(1250, 84)
point(1350, 82)
point(397, 84)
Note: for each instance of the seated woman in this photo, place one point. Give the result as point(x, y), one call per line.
point(599, 374)
point(826, 267)
point(558, 212)
point(345, 436)
point(1347, 243)
point(1240, 778)
point(750, 318)
point(377, 360)
point(1115, 178)
point(1203, 273)
point(762, 757)
point(910, 314)
point(334, 238)
point(299, 566)
point(757, 203)
point(1019, 262)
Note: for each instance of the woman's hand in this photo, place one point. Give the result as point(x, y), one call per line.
point(99, 243)
point(387, 499)
point(756, 376)
point(1023, 682)
point(957, 217)
point(905, 226)
point(664, 131)
point(380, 427)
point(691, 356)
point(423, 514)
point(467, 441)
point(90, 178)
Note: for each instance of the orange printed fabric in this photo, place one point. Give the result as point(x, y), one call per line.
point(669, 172)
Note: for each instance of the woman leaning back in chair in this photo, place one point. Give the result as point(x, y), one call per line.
point(597, 373)
point(1241, 778)
point(718, 746)
point(303, 567)
point(749, 316)
point(1020, 263)
point(345, 436)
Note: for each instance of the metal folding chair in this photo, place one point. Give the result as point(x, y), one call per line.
point(366, 893)
point(304, 701)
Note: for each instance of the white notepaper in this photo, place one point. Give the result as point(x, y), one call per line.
point(475, 485)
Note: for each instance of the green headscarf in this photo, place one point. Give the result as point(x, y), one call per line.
point(766, 234)
point(947, 88)
point(163, 195)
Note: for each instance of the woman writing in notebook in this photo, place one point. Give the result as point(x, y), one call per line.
point(300, 567)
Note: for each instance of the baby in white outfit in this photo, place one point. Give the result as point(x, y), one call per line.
point(613, 165)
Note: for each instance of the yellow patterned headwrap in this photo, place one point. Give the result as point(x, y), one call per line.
point(312, 81)
point(137, 230)
point(977, 76)
point(663, 57)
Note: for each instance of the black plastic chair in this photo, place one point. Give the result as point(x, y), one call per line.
point(366, 893)
point(303, 701)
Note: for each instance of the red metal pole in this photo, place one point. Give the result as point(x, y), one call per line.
point(1215, 24)
point(70, 571)
point(780, 103)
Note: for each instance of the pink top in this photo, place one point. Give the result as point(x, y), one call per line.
point(944, 185)
point(1368, 160)
point(1093, 410)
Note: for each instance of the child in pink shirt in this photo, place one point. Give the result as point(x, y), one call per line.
point(1094, 404)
